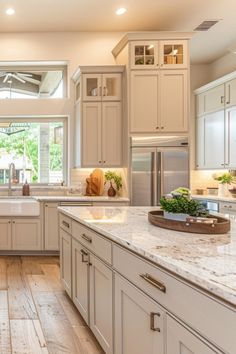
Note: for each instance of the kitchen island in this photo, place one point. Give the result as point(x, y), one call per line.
point(191, 278)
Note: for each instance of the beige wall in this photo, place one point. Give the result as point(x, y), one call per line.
point(77, 48)
point(223, 66)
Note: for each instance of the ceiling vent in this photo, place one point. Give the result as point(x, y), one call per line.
point(206, 25)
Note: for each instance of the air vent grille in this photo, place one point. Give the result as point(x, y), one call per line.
point(206, 25)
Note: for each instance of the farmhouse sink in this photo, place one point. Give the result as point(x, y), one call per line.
point(16, 206)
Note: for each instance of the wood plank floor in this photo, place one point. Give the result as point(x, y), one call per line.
point(36, 315)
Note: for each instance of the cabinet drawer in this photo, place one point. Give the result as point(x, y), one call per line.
point(207, 316)
point(65, 223)
point(91, 240)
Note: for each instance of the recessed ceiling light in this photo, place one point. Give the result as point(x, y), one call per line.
point(121, 11)
point(10, 11)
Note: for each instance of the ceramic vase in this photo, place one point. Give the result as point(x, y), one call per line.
point(111, 191)
point(223, 190)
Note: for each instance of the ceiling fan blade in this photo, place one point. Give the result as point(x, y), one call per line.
point(6, 78)
point(26, 75)
point(18, 78)
point(33, 81)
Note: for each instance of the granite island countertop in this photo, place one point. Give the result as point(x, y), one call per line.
point(208, 261)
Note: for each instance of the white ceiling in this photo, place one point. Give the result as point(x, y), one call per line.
point(142, 15)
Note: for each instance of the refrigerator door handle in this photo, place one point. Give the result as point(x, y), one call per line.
point(159, 178)
point(154, 178)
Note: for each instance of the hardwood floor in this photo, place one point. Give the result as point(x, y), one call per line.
point(36, 315)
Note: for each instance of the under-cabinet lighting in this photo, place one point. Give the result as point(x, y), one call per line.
point(10, 11)
point(121, 11)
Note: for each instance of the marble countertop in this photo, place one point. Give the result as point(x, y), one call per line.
point(209, 261)
point(78, 198)
point(214, 198)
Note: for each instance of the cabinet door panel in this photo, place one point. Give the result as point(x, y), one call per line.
point(51, 222)
point(214, 99)
point(5, 232)
point(65, 260)
point(80, 279)
point(181, 341)
point(173, 54)
point(92, 87)
point(174, 96)
point(214, 140)
point(200, 141)
point(111, 87)
point(144, 54)
point(26, 235)
point(133, 311)
point(231, 137)
point(101, 303)
point(91, 140)
point(144, 101)
point(111, 134)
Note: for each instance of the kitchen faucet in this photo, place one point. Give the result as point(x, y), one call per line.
point(11, 177)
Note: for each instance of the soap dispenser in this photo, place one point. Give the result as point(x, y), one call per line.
point(26, 189)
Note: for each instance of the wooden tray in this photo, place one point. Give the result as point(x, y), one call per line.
point(221, 227)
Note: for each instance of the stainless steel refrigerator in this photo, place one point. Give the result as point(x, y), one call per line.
point(159, 165)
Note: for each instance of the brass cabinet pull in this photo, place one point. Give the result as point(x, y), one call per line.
point(152, 321)
point(66, 224)
point(159, 285)
point(86, 238)
point(84, 254)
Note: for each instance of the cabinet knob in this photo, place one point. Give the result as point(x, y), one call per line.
point(157, 127)
point(9, 222)
point(100, 161)
point(162, 127)
point(104, 161)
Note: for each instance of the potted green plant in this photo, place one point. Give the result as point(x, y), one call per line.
point(113, 177)
point(224, 180)
point(178, 205)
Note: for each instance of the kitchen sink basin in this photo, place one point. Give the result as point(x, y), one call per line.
point(15, 206)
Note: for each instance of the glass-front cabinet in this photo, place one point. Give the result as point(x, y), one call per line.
point(159, 54)
point(102, 87)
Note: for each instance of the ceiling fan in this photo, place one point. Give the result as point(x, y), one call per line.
point(22, 77)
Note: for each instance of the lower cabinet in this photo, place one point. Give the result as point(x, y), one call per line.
point(51, 231)
point(80, 263)
point(100, 294)
point(5, 232)
point(139, 321)
point(22, 234)
point(181, 341)
point(65, 260)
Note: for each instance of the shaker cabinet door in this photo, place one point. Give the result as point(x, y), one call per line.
point(91, 138)
point(200, 142)
point(231, 138)
point(182, 341)
point(138, 321)
point(144, 103)
point(65, 261)
point(5, 232)
point(51, 222)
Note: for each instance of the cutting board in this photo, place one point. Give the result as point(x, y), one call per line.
point(95, 183)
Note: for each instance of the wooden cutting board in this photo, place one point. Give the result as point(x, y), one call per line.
point(95, 183)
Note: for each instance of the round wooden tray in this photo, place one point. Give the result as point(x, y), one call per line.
point(221, 227)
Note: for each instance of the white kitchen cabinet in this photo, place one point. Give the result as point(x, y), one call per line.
point(211, 100)
point(80, 263)
point(174, 101)
point(138, 321)
point(100, 290)
point(26, 234)
point(159, 101)
point(181, 341)
point(159, 54)
point(230, 93)
point(102, 87)
point(51, 229)
point(200, 142)
point(99, 115)
point(5, 234)
point(215, 140)
point(231, 138)
point(65, 261)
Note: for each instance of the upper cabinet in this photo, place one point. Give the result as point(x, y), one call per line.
point(98, 116)
point(210, 101)
point(230, 93)
point(171, 54)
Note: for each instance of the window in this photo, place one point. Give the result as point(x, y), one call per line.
point(33, 82)
point(37, 147)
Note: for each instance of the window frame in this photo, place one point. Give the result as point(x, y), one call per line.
point(45, 119)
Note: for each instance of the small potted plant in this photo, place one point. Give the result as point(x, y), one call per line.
point(113, 177)
point(178, 205)
point(224, 180)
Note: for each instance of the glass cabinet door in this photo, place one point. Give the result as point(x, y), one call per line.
point(173, 54)
point(92, 87)
point(111, 87)
point(144, 55)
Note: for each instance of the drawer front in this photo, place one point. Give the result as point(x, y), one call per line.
point(198, 310)
point(65, 223)
point(92, 241)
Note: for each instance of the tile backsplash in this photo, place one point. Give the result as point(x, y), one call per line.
point(203, 179)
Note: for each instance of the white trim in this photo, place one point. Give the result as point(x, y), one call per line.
point(217, 82)
point(96, 69)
